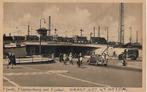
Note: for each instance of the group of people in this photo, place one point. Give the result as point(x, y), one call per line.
point(11, 59)
point(65, 58)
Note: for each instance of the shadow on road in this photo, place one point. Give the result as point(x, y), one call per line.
point(119, 67)
point(38, 62)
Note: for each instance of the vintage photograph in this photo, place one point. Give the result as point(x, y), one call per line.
point(72, 44)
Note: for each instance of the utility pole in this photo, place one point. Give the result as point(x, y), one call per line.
point(107, 34)
point(107, 38)
point(40, 21)
point(130, 34)
point(55, 31)
point(121, 33)
point(90, 37)
point(94, 31)
point(81, 30)
point(28, 30)
point(49, 26)
point(40, 47)
point(98, 31)
point(136, 36)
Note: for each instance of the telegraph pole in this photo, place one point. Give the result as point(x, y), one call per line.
point(40, 47)
point(107, 39)
point(81, 32)
point(55, 31)
point(90, 37)
point(130, 34)
point(28, 30)
point(121, 34)
point(49, 26)
point(98, 31)
point(136, 36)
point(94, 31)
point(107, 34)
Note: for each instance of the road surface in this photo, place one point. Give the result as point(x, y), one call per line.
point(60, 75)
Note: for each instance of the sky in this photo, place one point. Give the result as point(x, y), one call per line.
point(69, 18)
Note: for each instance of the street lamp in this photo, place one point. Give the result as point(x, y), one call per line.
point(40, 36)
point(43, 20)
point(81, 31)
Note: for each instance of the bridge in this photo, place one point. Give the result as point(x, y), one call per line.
point(60, 47)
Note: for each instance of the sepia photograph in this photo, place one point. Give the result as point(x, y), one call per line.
point(72, 44)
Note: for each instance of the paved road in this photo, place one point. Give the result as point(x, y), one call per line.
point(60, 75)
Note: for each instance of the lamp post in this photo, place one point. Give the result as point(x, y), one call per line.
point(81, 32)
point(40, 36)
point(107, 39)
point(130, 34)
point(40, 21)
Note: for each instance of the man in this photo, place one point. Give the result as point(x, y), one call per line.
point(106, 59)
point(70, 58)
point(124, 58)
point(61, 57)
point(9, 59)
point(80, 58)
point(64, 58)
point(12, 60)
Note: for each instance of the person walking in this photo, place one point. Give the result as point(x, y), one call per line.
point(60, 57)
point(12, 60)
point(106, 59)
point(9, 59)
point(124, 63)
point(80, 58)
point(64, 58)
point(70, 58)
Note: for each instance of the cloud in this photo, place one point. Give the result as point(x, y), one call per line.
point(69, 22)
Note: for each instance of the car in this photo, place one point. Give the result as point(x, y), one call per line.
point(97, 60)
point(131, 53)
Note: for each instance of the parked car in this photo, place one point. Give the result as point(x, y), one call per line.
point(132, 53)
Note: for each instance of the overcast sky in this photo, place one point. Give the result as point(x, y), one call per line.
point(69, 18)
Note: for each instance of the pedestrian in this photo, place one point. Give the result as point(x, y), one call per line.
point(114, 54)
point(106, 59)
point(12, 60)
point(124, 59)
point(60, 57)
point(80, 58)
point(64, 58)
point(70, 58)
point(9, 59)
point(53, 56)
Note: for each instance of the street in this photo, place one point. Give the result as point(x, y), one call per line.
point(59, 75)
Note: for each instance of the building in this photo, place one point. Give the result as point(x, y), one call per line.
point(7, 39)
point(79, 39)
point(98, 40)
point(19, 38)
point(32, 38)
point(68, 39)
point(46, 38)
